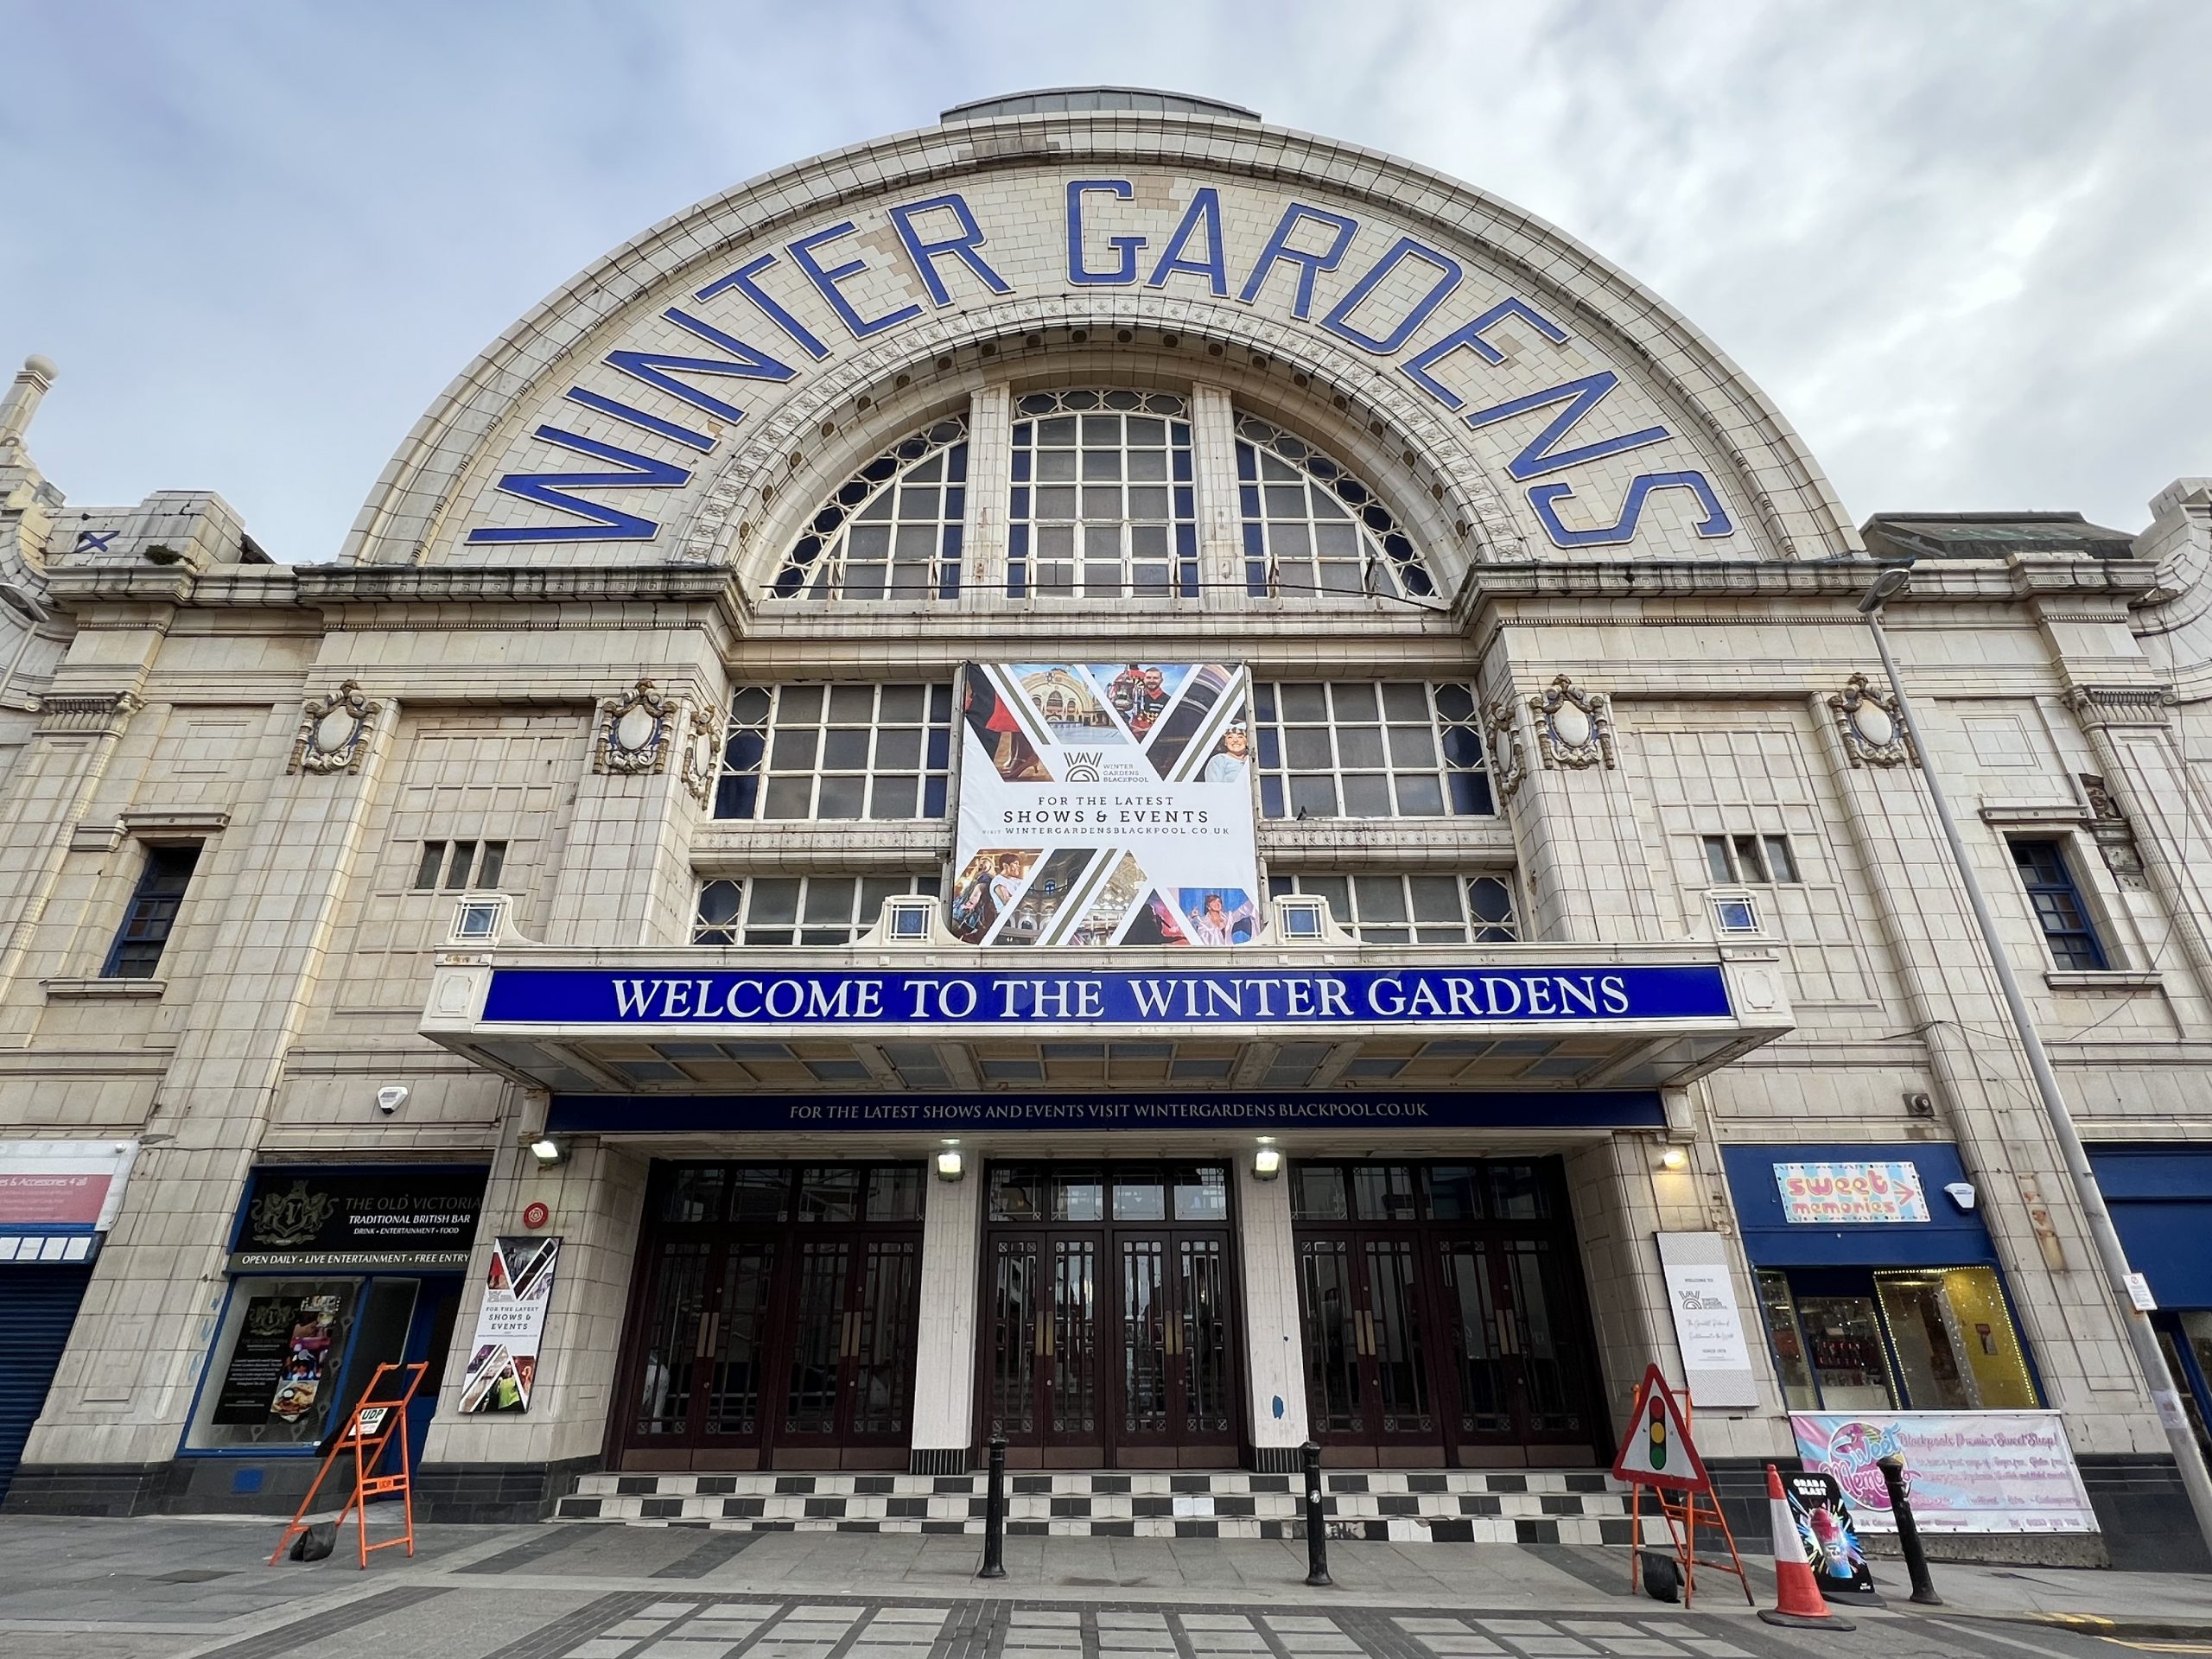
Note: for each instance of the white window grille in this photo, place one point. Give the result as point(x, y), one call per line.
point(1312, 527)
point(836, 752)
point(796, 909)
point(1393, 907)
point(1101, 505)
point(892, 529)
point(1369, 749)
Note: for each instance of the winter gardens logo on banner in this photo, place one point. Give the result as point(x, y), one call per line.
point(1105, 803)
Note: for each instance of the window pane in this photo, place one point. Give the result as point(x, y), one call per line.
point(1955, 1345)
point(1138, 1199)
point(1786, 1342)
point(1717, 865)
point(1016, 1189)
point(1317, 1192)
point(894, 1192)
point(1202, 1194)
point(829, 1192)
point(1382, 1192)
point(1455, 1193)
point(425, 873)
point(1843, 1344)
point(1748, 858)
point(1779, 863)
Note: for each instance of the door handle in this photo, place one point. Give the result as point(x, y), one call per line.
point(850, 1347)
point(1366, 1333)
point(710, 1324)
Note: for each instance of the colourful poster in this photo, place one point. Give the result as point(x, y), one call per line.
point(1828, 1534)
point(1830, 1193)
point(510, 1324)
point(1964, 1471)
point(1105, 803)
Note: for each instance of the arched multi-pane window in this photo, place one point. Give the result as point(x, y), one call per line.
point(1311, 527)
point(1102, 503)
point(892, 529)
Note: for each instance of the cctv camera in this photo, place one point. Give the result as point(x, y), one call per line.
point(390, 1097)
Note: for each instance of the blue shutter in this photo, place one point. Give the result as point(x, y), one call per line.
point(37, 1307)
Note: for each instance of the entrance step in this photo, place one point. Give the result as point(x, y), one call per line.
point(1404, 1506)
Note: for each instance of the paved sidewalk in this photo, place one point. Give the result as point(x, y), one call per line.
point(198, 1589)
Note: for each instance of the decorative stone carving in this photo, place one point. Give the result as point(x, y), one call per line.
point(1872, 731)
point(1508, 761)
point(1574, 727)
point(334, 731)
point(702, 748)
point(634, 730)
point(101, 714)
point(2122, 705)
point(2114, 835)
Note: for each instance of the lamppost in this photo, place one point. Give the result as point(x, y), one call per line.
point(2164, 1393)
point(33, 614)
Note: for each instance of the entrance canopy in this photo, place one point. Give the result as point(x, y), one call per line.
point(738, 1028)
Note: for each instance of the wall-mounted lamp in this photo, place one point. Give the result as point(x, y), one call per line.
point(549, 1151)
point(1267, 1161)
point(950, 1166)
point(1674, 1158)
point(1961, 1194)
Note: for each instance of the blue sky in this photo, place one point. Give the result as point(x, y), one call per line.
point(1966, 247)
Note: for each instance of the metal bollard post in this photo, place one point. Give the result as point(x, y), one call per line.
point(1316, 1529)
point(1916, 1558)
point(995, 1515)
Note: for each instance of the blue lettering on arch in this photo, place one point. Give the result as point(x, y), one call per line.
point(1124, 246)
point(1580, 397)
point(741, 279)
point(1469, 338)
point(638, 418)
point(1310, 265)
point(1203, 211)
point(825, 283)
point(964, 247)
point(744, 363)
point(605, 524)
point(1545, 498)
point(1338, 322)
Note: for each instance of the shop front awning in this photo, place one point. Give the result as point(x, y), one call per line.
point(927, 1023)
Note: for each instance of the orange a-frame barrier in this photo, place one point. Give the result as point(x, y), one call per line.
point(377, 1423)
point(1657, 1451)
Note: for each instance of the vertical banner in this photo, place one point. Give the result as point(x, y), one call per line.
point(1828, 1534)
point(1708, 1326)
point(503, 1360)
point(1105, 803)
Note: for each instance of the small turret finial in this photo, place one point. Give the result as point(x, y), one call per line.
point(22, 400)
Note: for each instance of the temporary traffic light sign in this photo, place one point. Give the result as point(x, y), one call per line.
point(1656, 1450)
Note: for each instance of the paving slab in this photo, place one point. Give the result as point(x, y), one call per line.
point(166, 1588)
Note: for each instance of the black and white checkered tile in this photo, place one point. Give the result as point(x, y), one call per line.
point(1452, 1506)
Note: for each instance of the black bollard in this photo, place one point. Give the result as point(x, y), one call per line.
point(995, 1515)
point(1916, 1558)
point(1316, 1529)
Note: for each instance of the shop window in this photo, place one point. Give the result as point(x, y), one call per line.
point(1408, 909)
point(148, 922)
point(892, 529)
point(274, 1379)
point(836, 752)
point(1369, 749)
point(796, 909)
point(1913, 1339)
point(1101, 503)
point(1734, 860)
point(457, 864)
point(2058, 907)
point(1311, 527)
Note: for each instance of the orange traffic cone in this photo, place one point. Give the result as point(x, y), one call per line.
point(1797, 1600)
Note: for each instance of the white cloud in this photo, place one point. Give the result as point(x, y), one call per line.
point(1967, 249)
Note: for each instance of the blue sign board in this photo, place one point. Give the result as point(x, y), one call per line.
point(1224, 997)
point(1598, 1108)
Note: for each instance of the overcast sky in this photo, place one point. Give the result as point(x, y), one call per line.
point(1967, 248)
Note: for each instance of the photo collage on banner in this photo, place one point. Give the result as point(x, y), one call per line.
point(1106, 804)
point(510, 1325)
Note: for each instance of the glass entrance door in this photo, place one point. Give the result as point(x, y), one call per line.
point(1442, 1315)
point(1109, 1338)
point(775, 1318)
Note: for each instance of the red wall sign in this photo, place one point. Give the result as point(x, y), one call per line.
point(534, 1216)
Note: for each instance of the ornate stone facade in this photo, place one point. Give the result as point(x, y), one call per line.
point(1424, 467)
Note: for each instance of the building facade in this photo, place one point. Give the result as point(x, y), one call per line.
point(598, 883)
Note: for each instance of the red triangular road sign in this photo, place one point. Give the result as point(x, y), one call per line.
point(1656, 1450)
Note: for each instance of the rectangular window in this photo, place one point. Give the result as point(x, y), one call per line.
point(2058, 907)
point(458, 865)
point(1369, 749)
point(1911, 1339)
point(152, 915)
point(1742, 860)
point(796, 909)
point(836, 752)
point(1408, 909)
point(1101, 503)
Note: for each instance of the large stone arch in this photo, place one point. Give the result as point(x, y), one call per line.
point(423, 505)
